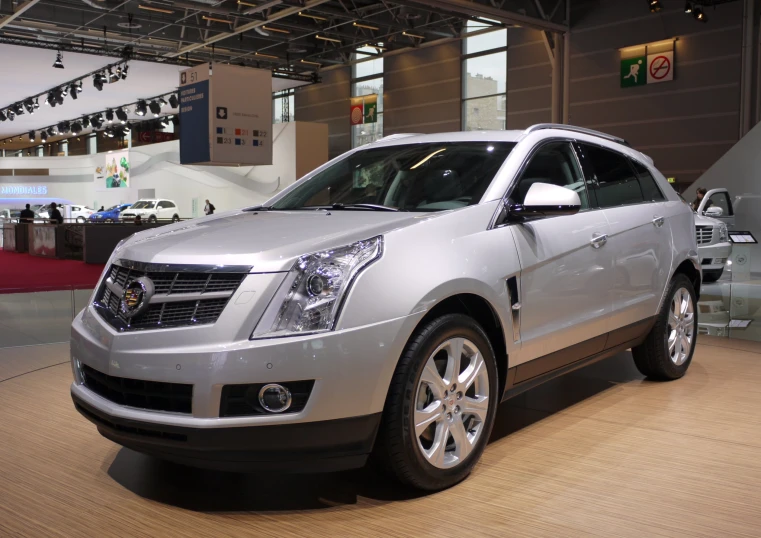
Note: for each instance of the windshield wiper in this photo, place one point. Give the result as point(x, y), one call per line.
point(367, 207)
point(260, 208)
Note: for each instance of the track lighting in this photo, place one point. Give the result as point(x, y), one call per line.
point(3, 117)
point(11, 114)
point(58, 64)
point(85, 122)
point(699, 14)
point(76, 128)
point(112, 77)
point(51, 131)
point(173, 102)
point(64, 91)
point(155, 108)
point(43, 137)
point(31, 136)
point(18, 108)
point(110, 116)
point(162, 102)
point(73, 91)
point(121, 114)
point(109, 132)
point(655, 6)
point(98, 79)
point(688, 7)
point(36, 103)
point(141, 108)
point(96, 121)
point(127, 128)
point(124, 72)
point(165, 121)
point(29, 106)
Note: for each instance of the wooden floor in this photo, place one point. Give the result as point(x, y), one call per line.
point(601, 452)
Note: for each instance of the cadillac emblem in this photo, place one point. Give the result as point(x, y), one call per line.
point(136, 296)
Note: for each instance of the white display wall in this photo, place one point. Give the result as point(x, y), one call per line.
point(298, 147)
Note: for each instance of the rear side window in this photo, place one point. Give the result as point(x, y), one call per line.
point(168, 204)
point(613, 178)
point(650, 189)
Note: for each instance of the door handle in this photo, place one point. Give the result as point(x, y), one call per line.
point(658, 221)
point(599, 240)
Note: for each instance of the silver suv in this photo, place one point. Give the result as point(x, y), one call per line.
point(387, 302)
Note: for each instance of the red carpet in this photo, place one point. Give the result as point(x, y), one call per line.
point(20, 273)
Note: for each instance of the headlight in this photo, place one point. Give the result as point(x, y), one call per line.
point(310, 298)
point(723, 234)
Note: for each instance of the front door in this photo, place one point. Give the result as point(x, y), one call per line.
point(565, 270)
point(717, 204)
point(640, 237)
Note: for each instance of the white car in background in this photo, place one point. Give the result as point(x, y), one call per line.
point(151, 211)
point(79, 213)
point(714, 247)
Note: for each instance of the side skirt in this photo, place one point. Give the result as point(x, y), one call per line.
point(546, 368)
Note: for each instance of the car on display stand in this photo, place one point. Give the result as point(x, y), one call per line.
point(109, 215)
point(151, 211)
point(387, 302)
point(714, 246)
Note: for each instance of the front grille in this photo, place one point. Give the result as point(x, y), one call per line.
point(703, 234)
point(202, 290)
point(153, 395)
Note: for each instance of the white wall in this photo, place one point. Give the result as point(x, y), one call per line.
point(157, 167)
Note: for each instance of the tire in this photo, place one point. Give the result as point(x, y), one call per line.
point(81, 220)
point(152, 219)
point(712, 275)
point(654, 358)
point(176, 218)
point(422, 461)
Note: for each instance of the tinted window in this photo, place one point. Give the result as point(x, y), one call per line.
point(650, 189)
point(169, 204)
point(408, 177)
point(556, 164)
point(613, 178)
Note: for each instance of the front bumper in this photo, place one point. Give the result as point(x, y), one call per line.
point(710, 253)
point(306, 447)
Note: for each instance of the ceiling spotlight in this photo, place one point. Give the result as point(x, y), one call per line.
point(124, 72)
point(127, 128)
point(141, 108)
point(699, 15)
point(165, 121)
point(110, 116)
point(109, 132)
point(58, 64)
point(98, 80)
point(58, 96)
point(3, 117)
point(85, 122)
point(96, 121)
point(31, 136)
point(11, 114)
point(51, 131)
point(162, 102)
point(43, 136)
point(49, 100)
point(688, 7)
point(121, 114)
point(173, 102)
point(655, 6)
point(18, 108)
point(36, 103)
point(76, 128)
point(73, 91)
point(155, 108)
point(112, 77)
point(29, 106)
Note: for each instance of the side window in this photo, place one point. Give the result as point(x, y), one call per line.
point(169, 205)
point(647, 182)
point(613, 178)
point(721, 199)
point(556, 164)
point(160, 205)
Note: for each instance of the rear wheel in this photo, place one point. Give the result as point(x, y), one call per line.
point(667, 351)
point(152, 219)
point(176, 218)
point(81, 220)
point(441, 404)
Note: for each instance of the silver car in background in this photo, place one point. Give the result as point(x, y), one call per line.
point(387, 302)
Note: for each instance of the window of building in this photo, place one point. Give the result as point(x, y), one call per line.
point(367, 79)
point(283, 107)
point(484, 77)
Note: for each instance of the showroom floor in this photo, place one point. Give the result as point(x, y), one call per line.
point(598, 452)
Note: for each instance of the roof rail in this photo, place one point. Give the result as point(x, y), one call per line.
point(563, 127)
point(397, 135)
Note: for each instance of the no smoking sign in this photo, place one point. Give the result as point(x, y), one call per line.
point(660, 67)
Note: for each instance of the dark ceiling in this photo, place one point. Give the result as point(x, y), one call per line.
point(286, 35)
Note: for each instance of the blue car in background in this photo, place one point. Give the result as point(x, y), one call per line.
point(109, 215)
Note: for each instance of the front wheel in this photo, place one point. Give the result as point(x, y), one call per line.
point(667, 351)
point(152, 219)
point(441, 404)
point(81, 220)
point(176, 218)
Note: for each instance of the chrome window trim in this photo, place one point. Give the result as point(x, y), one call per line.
point(147, 267)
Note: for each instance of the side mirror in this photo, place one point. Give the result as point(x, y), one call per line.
point(713, 211)
point(545, 200)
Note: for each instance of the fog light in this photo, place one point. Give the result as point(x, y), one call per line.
point(275, 398)
point(717, 261)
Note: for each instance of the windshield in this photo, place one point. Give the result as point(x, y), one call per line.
point(143, 205)
point(113, 207)
point(412, 177)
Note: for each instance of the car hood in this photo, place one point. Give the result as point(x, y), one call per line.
point(269, 241)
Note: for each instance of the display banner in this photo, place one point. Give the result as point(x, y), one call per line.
point(42, 241)
point(226, 118)
point(113, 173)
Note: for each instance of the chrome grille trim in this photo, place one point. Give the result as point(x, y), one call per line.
point(181, 268)
point(183, 297)
point(703, 234)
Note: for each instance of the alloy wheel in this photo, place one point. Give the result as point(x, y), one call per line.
point(681, 326)
point(451, 403)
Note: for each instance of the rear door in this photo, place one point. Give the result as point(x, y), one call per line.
point(640, 238)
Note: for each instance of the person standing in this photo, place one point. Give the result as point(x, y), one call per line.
point(209, 208)
point(699, 195)
point(26, 216)
point(55, 214)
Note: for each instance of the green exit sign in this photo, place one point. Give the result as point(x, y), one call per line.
point(671, 179)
